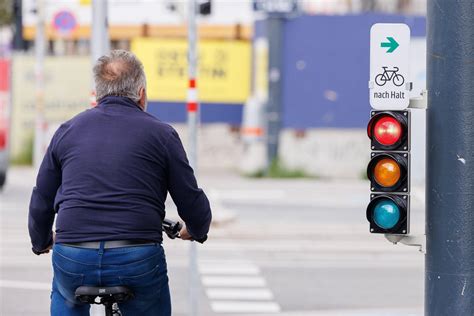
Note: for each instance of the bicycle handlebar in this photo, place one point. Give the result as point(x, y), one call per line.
point(394, 67)
point(171, 228)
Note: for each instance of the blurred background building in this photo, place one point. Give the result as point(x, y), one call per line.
point(129, 19)
point(324, 77)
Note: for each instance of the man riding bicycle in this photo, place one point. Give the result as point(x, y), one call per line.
point(106, 175)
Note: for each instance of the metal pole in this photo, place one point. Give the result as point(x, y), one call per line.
point(193, 120)
point(449, 266)
point(274, 105)
point(100, 43)
point(39, 147)
point(18, 41)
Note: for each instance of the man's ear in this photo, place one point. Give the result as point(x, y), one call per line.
point(142, 101)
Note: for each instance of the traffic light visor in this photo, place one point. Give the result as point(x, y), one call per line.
point(386, 214)
point(387, 172)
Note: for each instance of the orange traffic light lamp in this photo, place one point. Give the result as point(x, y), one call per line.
point(389, 172)
point(388, 214)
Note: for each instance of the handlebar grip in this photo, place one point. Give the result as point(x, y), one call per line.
point(171, 228)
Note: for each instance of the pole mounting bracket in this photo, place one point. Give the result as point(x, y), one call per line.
point(414, 241)
point(421, 102)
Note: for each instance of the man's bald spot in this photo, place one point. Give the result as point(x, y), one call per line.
point(115, 69)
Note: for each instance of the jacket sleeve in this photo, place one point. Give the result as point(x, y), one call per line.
point(41, 211)
point(193, 205)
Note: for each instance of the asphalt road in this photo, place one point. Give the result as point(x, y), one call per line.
point(278, 247)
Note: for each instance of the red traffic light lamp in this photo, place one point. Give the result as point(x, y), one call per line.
point(388, 130)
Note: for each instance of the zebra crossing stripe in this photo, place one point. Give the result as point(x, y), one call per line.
point(244, 307)
point(233, 281)
point(230, 269)
point(239, 294)
point(236, 287)
point(14, 284)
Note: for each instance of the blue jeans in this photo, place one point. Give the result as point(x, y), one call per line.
point(141, 268)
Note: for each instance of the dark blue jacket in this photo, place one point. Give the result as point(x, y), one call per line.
point(106, 175)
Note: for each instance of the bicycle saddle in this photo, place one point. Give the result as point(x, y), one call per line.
point(118, 294)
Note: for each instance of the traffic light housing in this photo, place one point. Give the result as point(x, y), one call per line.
point(389, 172)
point(389, 130)
point(389, 214)
point(205, 7)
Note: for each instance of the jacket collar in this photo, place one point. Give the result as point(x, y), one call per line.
point(118, 101)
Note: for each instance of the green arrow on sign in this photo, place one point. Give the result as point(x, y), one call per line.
point(391, 44)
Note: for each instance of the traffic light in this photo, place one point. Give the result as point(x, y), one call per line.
point(204, 7)
point(389, 172)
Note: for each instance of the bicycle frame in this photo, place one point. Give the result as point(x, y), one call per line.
point(388, 74)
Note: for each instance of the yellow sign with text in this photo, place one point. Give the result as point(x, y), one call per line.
point(223, 72)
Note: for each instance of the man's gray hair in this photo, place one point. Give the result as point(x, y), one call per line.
point(119, 73)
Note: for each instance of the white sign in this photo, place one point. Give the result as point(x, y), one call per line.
point(275, 6)
point(389, 84)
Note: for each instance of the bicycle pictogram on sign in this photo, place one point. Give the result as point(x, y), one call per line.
point(390, 75)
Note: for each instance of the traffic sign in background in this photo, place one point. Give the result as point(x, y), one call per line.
point(389, 66)
point(64, 22)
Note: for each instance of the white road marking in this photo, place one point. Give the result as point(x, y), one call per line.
point(236, 286)
point(250, 195)
point(239, 294)
point(299, 246)
point(15, 284)
point(245, 307)
point(230, 268)
point(233, 281)
point(362, 312)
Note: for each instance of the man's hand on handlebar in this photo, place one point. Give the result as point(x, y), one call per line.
point(178, 230)
point(47, 249)
point(42, 251)
point(184, 234)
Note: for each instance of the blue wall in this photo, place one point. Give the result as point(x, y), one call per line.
point(331, 89)
point(174, 112)
point(330, 86)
